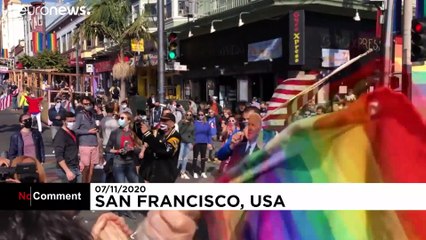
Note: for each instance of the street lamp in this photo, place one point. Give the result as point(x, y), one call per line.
point(212, 29)
point(357, 17)
point(240, 22)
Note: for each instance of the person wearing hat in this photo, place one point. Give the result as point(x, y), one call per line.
point(163, 149)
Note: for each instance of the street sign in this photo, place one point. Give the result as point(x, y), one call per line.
point(89, 68)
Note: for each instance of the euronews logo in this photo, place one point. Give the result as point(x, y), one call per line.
point(57, 10)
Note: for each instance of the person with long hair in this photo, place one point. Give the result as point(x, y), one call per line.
point(125, 146)
point(203, 140)
point(26, 141)
point(186, 130)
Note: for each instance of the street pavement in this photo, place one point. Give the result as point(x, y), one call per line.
point(9, 124)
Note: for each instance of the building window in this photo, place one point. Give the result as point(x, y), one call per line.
point(63, 44)
point(135, 12)
point(31, 45)
point(168, 9)
point(69, 40)
point(150, 9)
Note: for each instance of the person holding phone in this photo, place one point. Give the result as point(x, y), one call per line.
point(86, 130)
point(125, 146)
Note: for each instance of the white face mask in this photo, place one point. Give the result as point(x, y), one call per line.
point(124, 105)
point(70, 125)
point(163, 127)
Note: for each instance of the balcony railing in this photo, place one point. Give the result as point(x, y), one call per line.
point(210, 7)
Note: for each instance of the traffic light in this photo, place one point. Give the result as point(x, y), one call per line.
point(418, 40)
point(172, 46)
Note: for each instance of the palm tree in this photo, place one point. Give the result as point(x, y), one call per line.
point(111, 19)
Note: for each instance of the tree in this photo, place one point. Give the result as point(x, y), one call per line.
point(45, 60)
point(111, 19)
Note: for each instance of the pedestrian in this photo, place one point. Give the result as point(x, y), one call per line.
point(86, 130)
point(23, 103)
point(14, 92)
point(115, 92)
point(34, 108)
point(27, 141)
point(203, 141)
point(107, 126)
point(125, 146)
point(124, 107)
point(66, 150)
point(186, 127)
point(165, 150)
point(242, 143)
point(56, 114)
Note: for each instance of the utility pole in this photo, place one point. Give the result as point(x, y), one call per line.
point(77, 60)
point(161, 54)
point(388, 43)
point(406, 84)
point(44, 25)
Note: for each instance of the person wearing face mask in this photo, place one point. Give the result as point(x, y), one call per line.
point(66, 150)
point(164, 150)
point(56, 114)
point(27, 141)
point(86, 130)
point(124, 107)
point(203, 141)
point(126, 147)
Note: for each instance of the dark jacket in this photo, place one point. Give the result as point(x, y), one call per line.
point(186, 130)
point(16, 147)
point(114, 142)
point(53, 113)
point(237, 154)
point(66, 148)
point(165, 153)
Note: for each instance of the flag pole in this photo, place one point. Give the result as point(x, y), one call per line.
point(321, 81)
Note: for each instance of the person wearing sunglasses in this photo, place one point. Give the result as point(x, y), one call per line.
point(27, 141)
point(126, 147)
point(186, 130)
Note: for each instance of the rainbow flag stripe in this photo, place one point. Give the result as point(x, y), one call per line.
point(4, 53)
point(51, 41)
point(379, 138)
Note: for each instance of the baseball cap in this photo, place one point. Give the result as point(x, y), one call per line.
point(168, 116)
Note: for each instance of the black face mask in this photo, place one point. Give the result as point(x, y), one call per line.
point(28, 123)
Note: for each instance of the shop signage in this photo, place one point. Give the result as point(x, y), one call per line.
point(137, 45)
point(265, 50)
point(334, 57)
point(297, 38)
point(104, 66)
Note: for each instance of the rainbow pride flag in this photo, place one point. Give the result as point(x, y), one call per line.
point(4, 53)
point(378, 138)
point(52, 43)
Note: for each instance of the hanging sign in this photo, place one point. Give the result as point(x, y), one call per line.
point(297, 37)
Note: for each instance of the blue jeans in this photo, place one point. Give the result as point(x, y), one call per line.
point(75, 170)
point(125, 170)
point(14, 102)
point(183, 156)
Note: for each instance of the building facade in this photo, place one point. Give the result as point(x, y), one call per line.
point(243, 49)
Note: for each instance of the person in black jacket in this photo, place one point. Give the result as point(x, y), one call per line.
point(27, 141)
point(164, 150)
point(56, 114)
point(66, 150)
